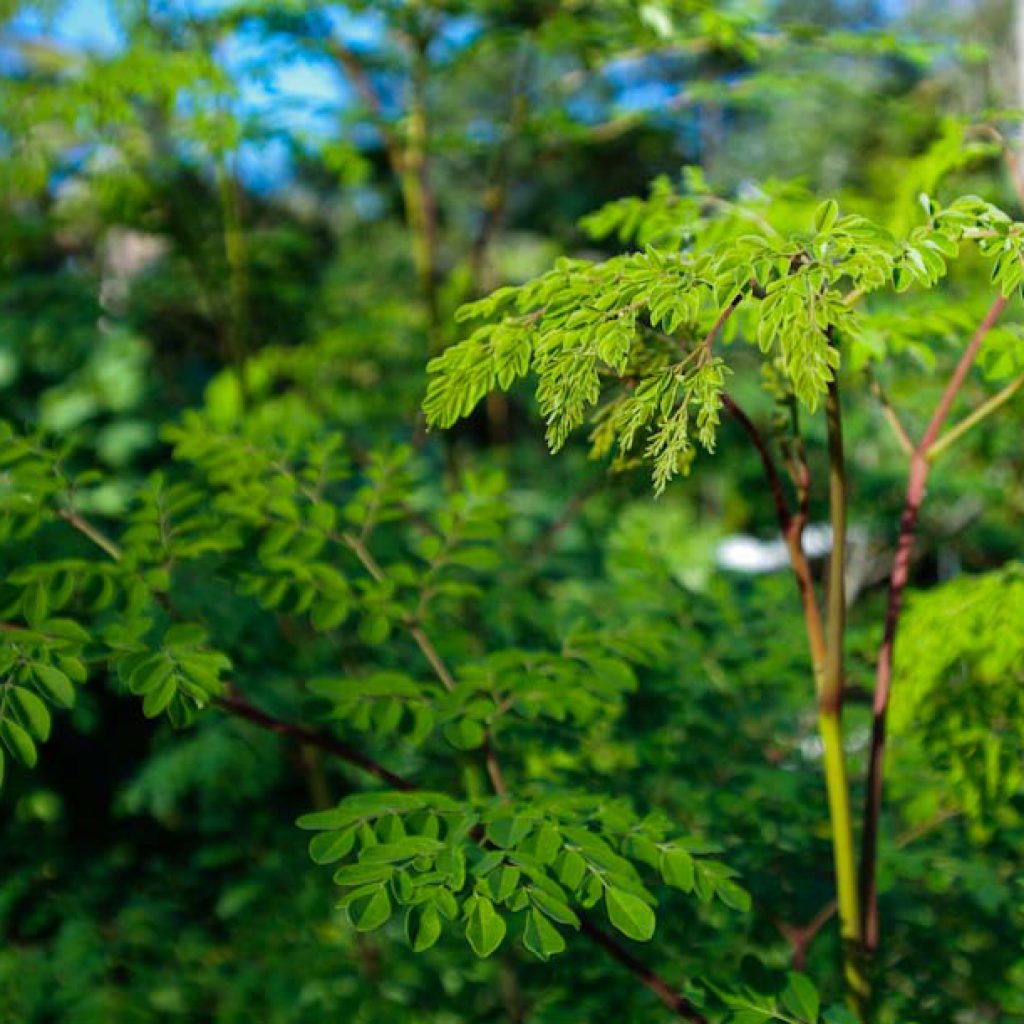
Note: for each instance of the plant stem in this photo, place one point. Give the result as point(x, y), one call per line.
point(307, 737)
point(830, 707)
point(675, 1001)
point(93, 533)
point(984, 410)
point(832, 694)
point(919, 467)
point(836, 786)
point(890, 414)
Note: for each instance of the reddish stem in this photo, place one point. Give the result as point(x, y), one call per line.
point(916, 483)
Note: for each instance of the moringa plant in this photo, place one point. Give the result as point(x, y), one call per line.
point(332, 599)
point(652, 347)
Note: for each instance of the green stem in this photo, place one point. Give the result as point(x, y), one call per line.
point(829, 726)
point(984, 410)
point(830, 705)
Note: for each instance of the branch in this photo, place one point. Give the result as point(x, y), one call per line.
point(891, 417)
point(985, 409)
point(494, 772)
point(832, 697)
point(830, 705)
point(674, 1001)
point(426, 646)
point(827, 667)
point(97, 536)
point(495, 198)
point(800, 937)
point(716, 327)
point(792, 527)
point(235, 705)
point(919, 467)
point(767, 462)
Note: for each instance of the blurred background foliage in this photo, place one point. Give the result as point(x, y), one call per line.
point(269, 210)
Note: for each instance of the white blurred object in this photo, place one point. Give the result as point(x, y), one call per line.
point(743, 553)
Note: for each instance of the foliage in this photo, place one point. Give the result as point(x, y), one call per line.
point(556, 746)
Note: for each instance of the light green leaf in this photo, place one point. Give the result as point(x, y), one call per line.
point(825, 215)
point(371, 913)
point(677, 869)
point(423, 927)
point(328, 847)
point(801, 997)
point(34, 712)
point(541, 937)
point(18, 742)
point(55, 683)
point(629, 914)
point(485, 928)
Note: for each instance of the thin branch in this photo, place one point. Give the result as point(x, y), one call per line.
point(408, 163)
point(985, 409)
point(494, 772)
point(890, 414)
point(674, 1001)
point(359, 77)
point(94, 533)
point(767, 462)
point(423, 642)
point(828, 722)
point(919, 467)
point(832, 697)
point(235, 705)
point(800, 937)
point(720, 322)
point(495, 198)
point(430, 653)
point(830, 705)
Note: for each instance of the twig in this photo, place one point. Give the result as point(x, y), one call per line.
point(835, 774)
point(890, 414)
point(308, 737)
point(985, 409)
point(767, 462)
point(97, 536)
point(426, 646)
point(674, 1001)
point(716, 327)
point(830, 705)
point(494, 772)
point(801, 937)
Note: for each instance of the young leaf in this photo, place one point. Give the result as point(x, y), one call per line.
point(801, 997)
point(422, 927)
point(541, 937)
point(18, 742)
point(366, 915)
point(629, 914)
point(55, 684)
point(485, 928)
point(33, 712)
